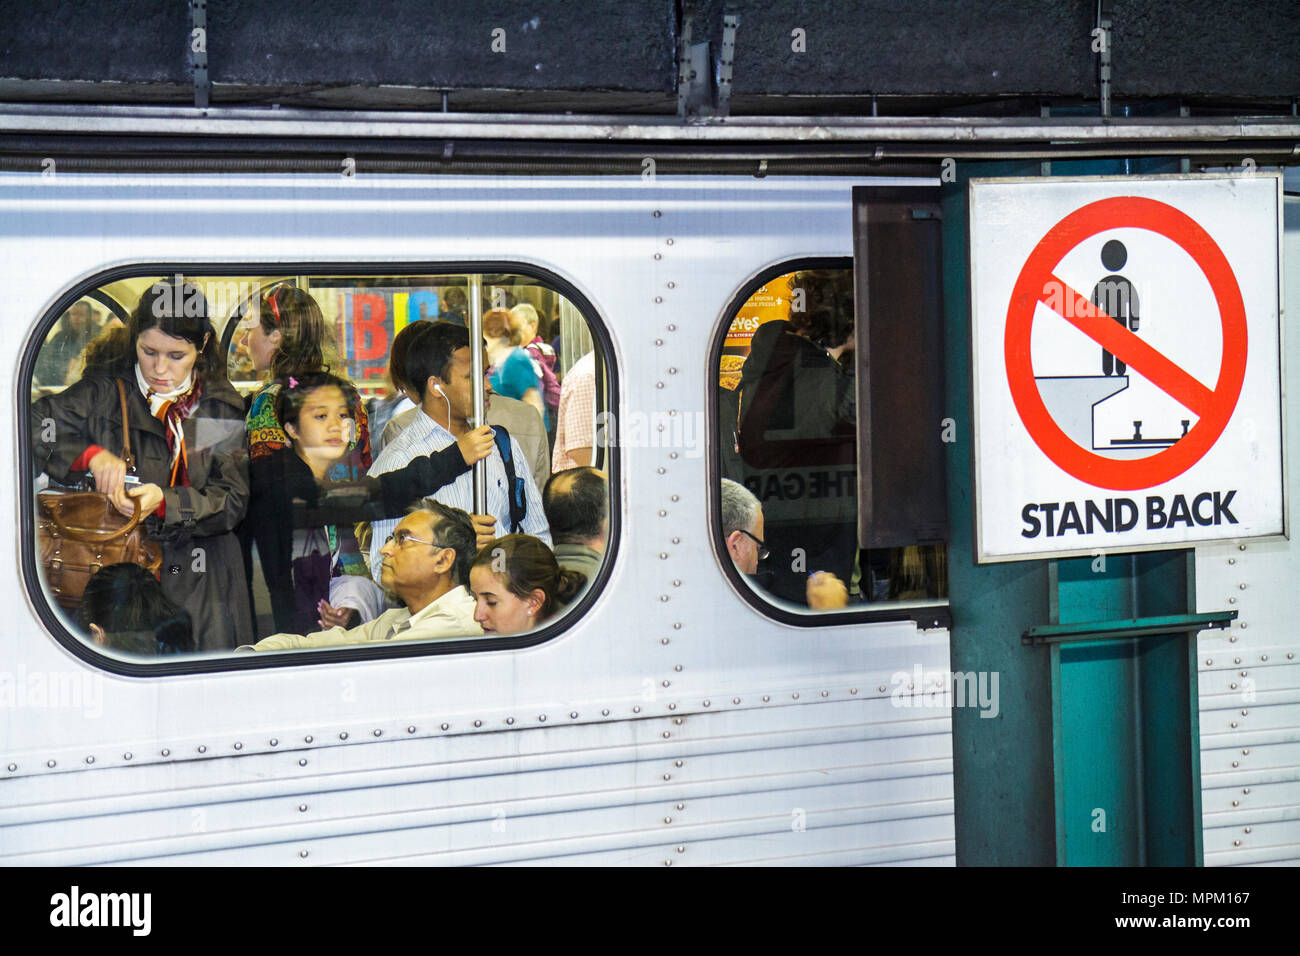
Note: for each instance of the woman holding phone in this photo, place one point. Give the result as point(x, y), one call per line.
point(186, 424)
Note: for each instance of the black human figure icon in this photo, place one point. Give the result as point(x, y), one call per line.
point(1115, 296)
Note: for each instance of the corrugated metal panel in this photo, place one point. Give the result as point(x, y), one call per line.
point(863, 780)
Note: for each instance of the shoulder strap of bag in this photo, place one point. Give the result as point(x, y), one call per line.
point(514, 484)
point(126, 431)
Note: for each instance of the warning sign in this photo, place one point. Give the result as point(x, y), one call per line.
point(1126, 363)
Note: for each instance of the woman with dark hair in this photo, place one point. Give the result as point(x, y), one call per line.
point(315, 573)
point(285, 336)
point(518, 585)
point(187, 439)
point(301, 564)
point(124, 608)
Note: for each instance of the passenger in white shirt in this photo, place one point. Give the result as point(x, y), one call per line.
point(439, 368)
point(425, 562)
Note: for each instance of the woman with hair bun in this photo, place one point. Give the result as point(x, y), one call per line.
point(187, 439)
point(518, 585)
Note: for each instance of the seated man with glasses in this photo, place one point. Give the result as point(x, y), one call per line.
point(426, 564)
point(742, 530)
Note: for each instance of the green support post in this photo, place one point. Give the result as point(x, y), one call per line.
point(1002, 766)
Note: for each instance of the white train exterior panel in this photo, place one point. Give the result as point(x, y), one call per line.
point(1250, 673)
point(816, 727)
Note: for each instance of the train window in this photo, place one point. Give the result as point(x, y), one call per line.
point(301, 449)
point(788, 385)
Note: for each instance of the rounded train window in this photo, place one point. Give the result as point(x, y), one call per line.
point(788, 398)
point(263, 464)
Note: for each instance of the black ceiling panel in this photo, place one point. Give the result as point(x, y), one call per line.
point(541, 44)
point(916, 47)
point(126, 41)
point(1200, 48)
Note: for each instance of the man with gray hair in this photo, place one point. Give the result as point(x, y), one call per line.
point(742, 529)
point(426, 564)
point(742, 526)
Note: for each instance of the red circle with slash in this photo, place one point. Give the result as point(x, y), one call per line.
point(1038, 283)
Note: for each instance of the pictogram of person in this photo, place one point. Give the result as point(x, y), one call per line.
point(1115, 296)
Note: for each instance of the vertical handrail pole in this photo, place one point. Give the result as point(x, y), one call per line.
point(480, 402)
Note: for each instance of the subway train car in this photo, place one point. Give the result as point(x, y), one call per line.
point(676, 714)
point(668, 186)
point(673, 716)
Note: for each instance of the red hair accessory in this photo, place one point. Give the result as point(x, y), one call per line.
point(275, 306)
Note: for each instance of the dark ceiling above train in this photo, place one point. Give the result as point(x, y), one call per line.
point(918, 57)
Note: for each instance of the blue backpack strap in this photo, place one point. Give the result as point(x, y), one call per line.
point(514, 483)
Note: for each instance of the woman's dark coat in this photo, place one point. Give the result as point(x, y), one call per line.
point(202, 569)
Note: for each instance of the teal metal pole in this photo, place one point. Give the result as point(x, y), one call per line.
point(1002, 766)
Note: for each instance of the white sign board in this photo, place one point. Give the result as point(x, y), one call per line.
point(1126, 361)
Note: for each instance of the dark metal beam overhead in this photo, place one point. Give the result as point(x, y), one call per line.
point(605, 57)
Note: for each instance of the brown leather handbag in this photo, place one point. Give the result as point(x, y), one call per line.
point(77, 533)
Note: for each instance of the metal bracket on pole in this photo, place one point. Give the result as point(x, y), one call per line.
point(199, 51)
point(1133, 627)
point(1184, 163)
point(730, 22)
point(1045, 167)
point(692, 71)
point(1103, 55)
point(703, 83)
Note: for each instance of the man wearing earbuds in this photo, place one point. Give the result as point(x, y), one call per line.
point(439, 366)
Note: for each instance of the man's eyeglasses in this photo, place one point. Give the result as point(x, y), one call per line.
point(763, 553)
point(402, 536)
